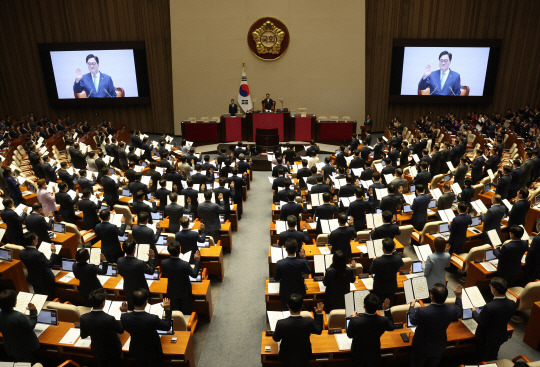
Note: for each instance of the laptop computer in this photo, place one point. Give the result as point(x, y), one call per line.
point(162, 240)
point(59, 227)
point(476, 221)
point(189, 216)
point(432, 204)
point(407, 209)
point(6, 255)
point(444, 228)
point(111, 270)
point(490, 255)
point(487, 187)
point(446, 177)
point(198, 279)
point(167, 332)
point(154, 276)
point(417, 267)
point(157, 216)
point(126, 193)
point(67, 264)
point(222, 218)
point(122, 238)
point(47, 317)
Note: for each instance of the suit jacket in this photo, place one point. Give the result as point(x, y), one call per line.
point(492, 220)
point(337, 287)
point(446, 200)
point(39, 225)
point(391, 202)
point(320, 188)
point(49, 171)
point(301, 237)
point(436, 162)
point(432, 322)
point(39, 273)
point(340, 239)
point(67, 178)
point(493, 320)
point(289, 273)
point(390, 230)
point(460, 173)
point(145, 343)
point(325, 211)
point(518, 212)
point(294, 332)
point(89, 209)
point(108, 234)
point(140, 206)
point(14, 190)
point(103, 329)
point(178, 272)
point(291, 208)
point(188, 241)
point(434, 268)
point(144, 234)
point(365, 331)
point(136, 186)
point(422, 178)
point(18, 335)
point(110, 190)
point(510, 256)
point(233, 109)
point(532, 261)
point(476, 169)
point(384, 269)
point(458, 232)
point(162, 194)
point(87, 275)
point(175, 212)
point(105, 86)
point(378, 151)
point(451, 87)
point(503, 185)
point(78, 159)
point(420, 206)
point(13, 225)
point(209, 214)
point(226, 196)
point(133, 270)
point(357, 210)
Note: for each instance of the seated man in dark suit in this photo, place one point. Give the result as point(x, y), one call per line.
point(384, 271)
point(503, 184)
point(291, 208)
point(388, 229)
point(175, 211)
point(300, 236)
point(143, 234)
point(366, 330)
point(178, 272)
point(432, 321)
point(188, 239)
point(447, 198)
point(510, 255)
point(38, 266)
point(420, 206)
point(341, 237)
point(145, 345)
point(103, 329)
point(108, 234)
point(37, 223)
point(358, 209)
point(18, 337)
point(133, 270)
point(493, 217)
point(294, 332)
point(493, 321)
point(519, 209)
point(290, 272)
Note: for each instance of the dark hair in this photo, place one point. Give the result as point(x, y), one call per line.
point(174, 248)
point(28, 238)
point(339, 262)
point(62, 186)
point(104, 214)
point(139, 297)
point(36, 206)
point(143, 217)
point(295, 302)
point(439, 293)
point(291, 221)
point(388, 244)
point(7, 202)
point(462, 206)
point(184, 222)
point(207, 195)
point(497, 198)
point(97, 297)
point(291, 195)
point(326, 197)
point(371, 303)
point(445, 53)
point(291, 246)
point(86, 193)
point(387, 216)
point(517, 231)
point(92, 56)
point(524, 193)
point(342, 218)
point(468, 182)
point(8, 299)
point(82, 255)
point(420, 188)
point(439, 243)
point(500, 285)
point(129, 246)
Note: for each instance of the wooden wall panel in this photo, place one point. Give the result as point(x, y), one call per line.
point(25, 23)
point(514, 22)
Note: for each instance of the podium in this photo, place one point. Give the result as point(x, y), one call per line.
point(267, 137)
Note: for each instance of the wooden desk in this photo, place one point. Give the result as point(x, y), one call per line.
point(225, 232)
point(532, 333)
point(202, 296)
point(69, 244)
point(13, 271)
point(478, 276)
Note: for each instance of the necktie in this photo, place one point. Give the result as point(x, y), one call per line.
point(443, 79)
point(96, 82)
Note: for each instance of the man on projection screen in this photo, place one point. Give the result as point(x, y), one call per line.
point(442, 82)
point(94, 83)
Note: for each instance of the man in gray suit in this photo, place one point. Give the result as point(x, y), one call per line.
point(176, 211)
point(493, 217)
point(209, 214)
point(447, 198)
point(17, 329)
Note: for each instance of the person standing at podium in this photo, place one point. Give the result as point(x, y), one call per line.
point(268, 103)
point(233, 108)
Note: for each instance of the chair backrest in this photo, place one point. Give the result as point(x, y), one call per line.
point(534, 194)
point(407, 263)
point(205, 119)
point(302, 111)
point(475, 253)
point(405, 237)
point(334, 118)
point(477, 190)
point(66, 312)
point(530, 295)
point(323, 118)
point(436, 179)
point(428, 146)
point(346, 118)
point(306, 314)
point(15, 250)
point(399, 312)
point(179, 321)
point(322, 238)
point(124, 209)
point(192, 119)
point(215, 118)
point(428, 227)
point(362, 236)
point(471, 138)
point(336, 319)
point(72, 228)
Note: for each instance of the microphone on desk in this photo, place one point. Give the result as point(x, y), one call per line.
point(105, 90)
point(451, 90)
point(89, 94)
point(434, 90)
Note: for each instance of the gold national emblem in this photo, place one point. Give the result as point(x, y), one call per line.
point(268, 38)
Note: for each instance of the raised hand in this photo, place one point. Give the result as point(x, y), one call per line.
point(427, 71)
point(151, 254)
point(386, 304)
point(166, 303)
point(124, 307)
point(53, 248)
point(188, 200)
point(197, 255)
point(102, 257)
point(353, 264)
point(302, 253)
point(123, 219)
point(319, 308)
point(30, 307)
point(78, 74)
point(458, 291)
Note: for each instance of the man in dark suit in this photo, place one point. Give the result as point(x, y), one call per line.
point(209, 214)
point(341, 237)
point(532, 260)
point(13, 222)
point(303, 173)
point(188, 239)
point(477, 166)
point(432, 321)
point(48, 170)
point(392, 202)
point(366, 330)
point(328, 169)
point(520, 209)
point(389, 169)
point(510, 255)
point(458, 229)
point(493, 217)
point(384, 270)
point(290, 272)
point(493, 321)
point(368, 171)
point(357, 161)
point(95, 83)
point(233, 108)
point(516, 174)
point(136, 185)
point(39, 275)
point(18, 337)
point(436, 161)
point(36, 223)
point(236, 184)
point(64, 175)
point(300, 236)
point(268, 104)
point(424, 176)
point(528, 169)
point(291, 208)
point(108, 234)
point(133, 270)
point(84, 183)
point(358, 209)
point(110, 188)
point(175, 211)
point(420, 206)
point(378, 149)
point(442, 82)
point(393, 156)
point(325, 211)
point(447, 198)
point(460, 172)
point(139, 206)
point(145, 345)
point(227, 195)
point(492, 162)
point(67, 204)
point(89, 209)
point(178, 272)
point(503, 184)
point(103, 329)
point(78, 159)
point(388, 229)
point(162, 194)
point(404, 155)
point(144, 234)
point(348, 189)
point(294, 332)
point(320, 187)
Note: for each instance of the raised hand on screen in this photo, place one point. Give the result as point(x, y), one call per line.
point(78, 74)
point(427, 71)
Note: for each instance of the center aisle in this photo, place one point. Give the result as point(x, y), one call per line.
point(234, 336)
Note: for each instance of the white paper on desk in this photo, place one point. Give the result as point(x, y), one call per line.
point(71, 336)
point(120, 284)
point(95, 255)
point(66, 278)
point(409, 276)
point(352, 287)
point(324, 250)
point(83, 343)
point(343, 341)
point(312, 225)
point(472, 326)
point(362, 248)
point(149, 282)
point(488, 266)
point(281, 226)
point(368, 283)
point(161, 249)
point(322, 287)
point(277, 253)
point(494, 237)
point(38, 330)
point(125, 347)
point(103, 279)
point(55, 271)
point(273, 287)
